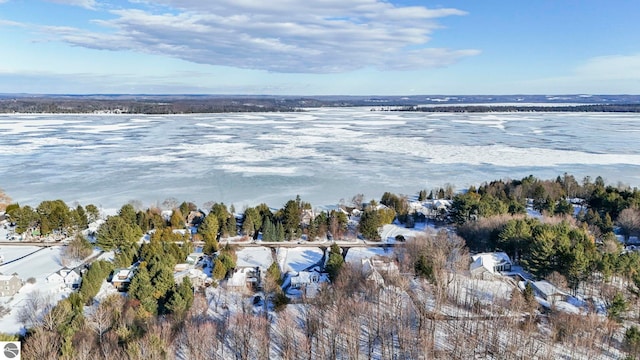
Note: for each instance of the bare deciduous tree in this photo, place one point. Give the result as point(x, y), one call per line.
point(41, 344)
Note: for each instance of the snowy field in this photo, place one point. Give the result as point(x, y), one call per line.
point(355, 255)
point(319, 154)
point(252, 257)
point(298, 259)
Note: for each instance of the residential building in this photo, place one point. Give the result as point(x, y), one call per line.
point(9, 285)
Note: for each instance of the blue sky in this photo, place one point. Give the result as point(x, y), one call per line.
point(322, 47)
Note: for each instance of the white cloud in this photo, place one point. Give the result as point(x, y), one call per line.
point(610, 74)
point(611, 67)
point(88, 4)
point(290, 36)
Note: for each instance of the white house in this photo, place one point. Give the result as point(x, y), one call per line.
point(55, 277)
point(548, 291)
point(485, 265)
point(71, 277)
point(309, 282)
point(305, 278)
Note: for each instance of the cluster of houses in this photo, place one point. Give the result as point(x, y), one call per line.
point(193, 268)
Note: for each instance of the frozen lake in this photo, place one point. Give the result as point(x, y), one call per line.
point(323, 155)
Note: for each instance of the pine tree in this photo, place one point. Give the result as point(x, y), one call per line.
point(142, 290)
point(280, 232)
point(231, 227)
point(335, 262)
point(268, 231)
point(177, 219)
point(161, 279)
point(209, 228)
point(617, 307)
point(219, 270)
point(540, 257)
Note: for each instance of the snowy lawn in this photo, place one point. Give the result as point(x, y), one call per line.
point(390, 231)
point(355, 255)
point(38, 265)
point(252, 257)
point(298, 259)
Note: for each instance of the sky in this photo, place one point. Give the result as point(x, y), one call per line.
point(320, 47)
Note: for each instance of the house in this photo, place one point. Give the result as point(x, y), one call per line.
point(307, 216)
point(244, 278)
point(548, 291)
point(194, 258)
point(65, 276)
point(71, 277)
point(371, 273)
point(9, 285)
point(485, 265)
point(198, 277)
point(55, 277)
point(305, 278)
point(309, 282)
point(121, 278)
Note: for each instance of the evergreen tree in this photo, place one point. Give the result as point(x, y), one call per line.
point(273, 272)
point(142, 290)
point(180, 298)
point(422, 195)
point(161, 278)
point(632, 341)
point(541, 252)
point(423, 268)
point(128, 214)
point(177, 219)
point(370, 222)
point(208, 229)
point(248, 228)
point(231, 227)
point(280, 232)
point(115, 233)
point(617, 307)
point(291, 218)
point(93, 213)
point(515, 237)
point(335, 262)
point(79, 218)
point(219, 270)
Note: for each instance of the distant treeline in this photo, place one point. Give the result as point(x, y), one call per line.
point(72, 105)
point(633, 108)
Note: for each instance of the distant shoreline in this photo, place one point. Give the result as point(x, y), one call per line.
point(592, 108)
point(202, 104)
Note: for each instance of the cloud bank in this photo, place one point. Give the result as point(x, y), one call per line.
point(284, 36)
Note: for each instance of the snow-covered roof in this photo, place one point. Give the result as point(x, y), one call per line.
point(489, 260)
point(6, 277)
point(238, 279)
point(122, 275)
point(441, 203)
point(305, 277)
point(547, 288)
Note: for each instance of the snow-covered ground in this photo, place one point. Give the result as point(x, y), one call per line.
point(390, 231)
point(355, 255)
point(298, 259)
point(38, 265)
point(10, 253)
point(252, 257)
